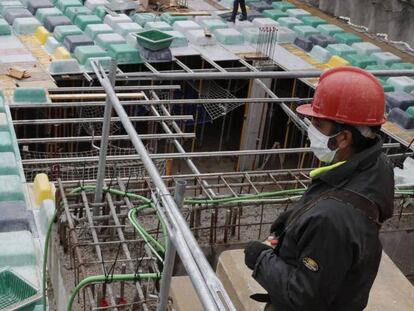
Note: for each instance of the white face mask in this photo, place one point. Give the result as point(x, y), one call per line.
point(319, 145)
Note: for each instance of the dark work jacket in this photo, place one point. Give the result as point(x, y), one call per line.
point(340, 238)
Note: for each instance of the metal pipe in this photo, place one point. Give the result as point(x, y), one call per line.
point(99, 120)
point(187, 155)
point(293, 116)
point(179, 147)
point(116, 88)
point(105, 138)
point(179, 232)
point(171, 252)
point(251, 75)
point(201, 101)
point(45, 140)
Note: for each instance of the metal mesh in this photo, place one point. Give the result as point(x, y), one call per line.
point(86, 171)
point(212, 90)
point(95, 128)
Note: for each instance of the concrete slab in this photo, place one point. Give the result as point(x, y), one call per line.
point(391, 289)
point(184, 51)
point(289, 61)
point(183, 295)
point(237, 280)
point(240, 48)
point(216, 52)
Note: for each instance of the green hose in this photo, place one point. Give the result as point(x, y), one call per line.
point(45, 255)
point(103, 278)
point(50, 226)
point(245, 197)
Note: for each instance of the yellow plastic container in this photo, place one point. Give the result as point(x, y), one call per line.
point(337, 61)
point(42, 34)
point(43, 189)
point(61, 53)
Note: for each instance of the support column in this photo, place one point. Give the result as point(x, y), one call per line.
point(253, 125)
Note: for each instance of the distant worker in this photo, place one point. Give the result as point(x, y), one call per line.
point(327, 251)
point(236, 3)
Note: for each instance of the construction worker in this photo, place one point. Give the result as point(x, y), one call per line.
point(236, 3)
point(327, 250)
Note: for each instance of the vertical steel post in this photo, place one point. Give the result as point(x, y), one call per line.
point(104, 141)
point(171, 251)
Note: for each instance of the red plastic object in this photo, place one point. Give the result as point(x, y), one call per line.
point(347, 95)
point(121, 301)
point(103, 303)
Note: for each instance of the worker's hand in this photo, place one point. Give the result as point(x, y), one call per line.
point(252, 252)
point(279, 224)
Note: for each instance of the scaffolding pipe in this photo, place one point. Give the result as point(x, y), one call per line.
point(251, 75)
point(291, 114)
point(74, 139)
point(202, 276)
point(171, 252)
point(105, 138)
point(198, 101)
point(69, 89)
point(179, 147)
point(187, 155)
point(99, 120)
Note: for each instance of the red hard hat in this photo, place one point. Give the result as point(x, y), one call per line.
point(347, 95)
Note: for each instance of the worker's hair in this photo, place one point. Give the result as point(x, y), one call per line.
point(360, 142)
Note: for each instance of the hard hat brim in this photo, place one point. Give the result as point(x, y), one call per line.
point(307, 110)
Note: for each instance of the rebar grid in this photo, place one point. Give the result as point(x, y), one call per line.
point(218, 223)
point(96, 243)
point(106, 245)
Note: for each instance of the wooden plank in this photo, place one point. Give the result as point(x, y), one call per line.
point(253, 56)
point(18, 72)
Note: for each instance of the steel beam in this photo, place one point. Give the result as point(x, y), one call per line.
point(49, 140)
point(249, 75)
point(166, 102)
point(187, 155)
point(99, 120)
point(103, 148)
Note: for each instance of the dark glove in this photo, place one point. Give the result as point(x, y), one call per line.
point(253, 251)
point(280, 223)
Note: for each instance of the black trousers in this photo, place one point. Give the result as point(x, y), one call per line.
point(236, 8)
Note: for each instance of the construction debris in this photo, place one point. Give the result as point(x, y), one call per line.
point(18, 73)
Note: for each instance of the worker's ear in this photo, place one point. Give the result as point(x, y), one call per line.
point(342, 141)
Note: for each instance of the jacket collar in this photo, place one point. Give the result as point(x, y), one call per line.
point(339, 175)
point(323, 169)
